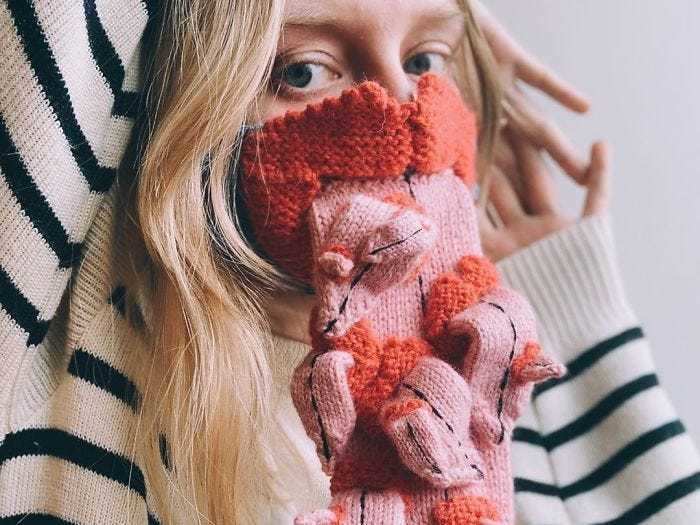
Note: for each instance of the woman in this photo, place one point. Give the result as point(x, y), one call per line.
point(167, 410)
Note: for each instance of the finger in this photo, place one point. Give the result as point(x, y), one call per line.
point(505, 159)
point(486, 214)
point(598, 181)
point(503, 47)
point(492, 215)
point(538, 192)
point(531, 71)
point(525, 65)
point(529, 122)
point(488, 231)
point(503, 154)
point(504, 198)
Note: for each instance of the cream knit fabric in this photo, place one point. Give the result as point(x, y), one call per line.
point(603, 445)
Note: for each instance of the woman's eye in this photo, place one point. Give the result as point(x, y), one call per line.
point(423, 62)
point(304, 76)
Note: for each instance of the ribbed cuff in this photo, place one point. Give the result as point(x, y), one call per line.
point(573, 282)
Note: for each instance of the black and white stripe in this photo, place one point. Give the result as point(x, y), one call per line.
point(69, 91)
point(103, 375)
point(60, 144)
point(98, 442)
point(656, 444)
point(43, 63)
point(60, 444)
point(109, 63)
point(590, 357)
point(33, 202)
point(33, 518)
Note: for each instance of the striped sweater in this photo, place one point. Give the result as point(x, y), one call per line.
point(601, 445)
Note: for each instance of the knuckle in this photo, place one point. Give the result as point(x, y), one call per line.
point(544, 127)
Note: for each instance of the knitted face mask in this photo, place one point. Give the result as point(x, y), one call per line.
point(363, 135)
point(421, 361)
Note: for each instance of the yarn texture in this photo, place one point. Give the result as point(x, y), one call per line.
point(421, 361)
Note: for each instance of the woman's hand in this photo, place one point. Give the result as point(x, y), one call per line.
point(522, 116)
point(522, 206)
point(522, 218)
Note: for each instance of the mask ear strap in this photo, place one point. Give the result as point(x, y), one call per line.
point(247, 128)
point(236, 201)
point(476, 192)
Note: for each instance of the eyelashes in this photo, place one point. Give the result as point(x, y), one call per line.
point(425, 62)
point(306, 77)
point(302, 78)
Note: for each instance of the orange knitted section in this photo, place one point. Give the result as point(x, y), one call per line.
point(465, 510)
point(478, 271)
point(366, 349)
point(378, 368)
point(453, 292)
point(449, 295)
point(530, 353)
point(439, 138)
point(398, 357)
point(404, 200)
point(277, 210)
point(341, 249)
point(399, 409)
point(339, 512)
point(363, 134)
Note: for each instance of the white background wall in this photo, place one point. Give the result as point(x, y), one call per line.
point(638, 62)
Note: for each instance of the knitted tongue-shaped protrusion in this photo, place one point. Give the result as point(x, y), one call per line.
point(380, 244)
point(336, 263)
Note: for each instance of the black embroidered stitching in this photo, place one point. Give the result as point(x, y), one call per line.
point(412, 435)
point(410, 171)
point(422, 293)
point(344, 303)
point(314, 405)
point(360, 274)
point(419, 394)
point(395, 243)
point(506, 374)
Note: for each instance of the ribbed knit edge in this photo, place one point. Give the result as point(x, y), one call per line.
point(43, 370)
point(573, 282)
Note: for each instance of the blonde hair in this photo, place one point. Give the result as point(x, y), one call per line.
point(208, 385)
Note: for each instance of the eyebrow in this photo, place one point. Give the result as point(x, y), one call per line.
point(305, 16)
point(310, 16)
point(440, 17)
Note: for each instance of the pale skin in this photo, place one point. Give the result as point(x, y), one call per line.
point(328, 46)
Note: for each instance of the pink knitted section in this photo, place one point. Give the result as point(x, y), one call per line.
point(421, 361)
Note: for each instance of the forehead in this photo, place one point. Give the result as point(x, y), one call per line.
point(366, 14)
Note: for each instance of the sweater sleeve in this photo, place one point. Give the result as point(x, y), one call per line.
point(603, 444)
point(68, 97)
